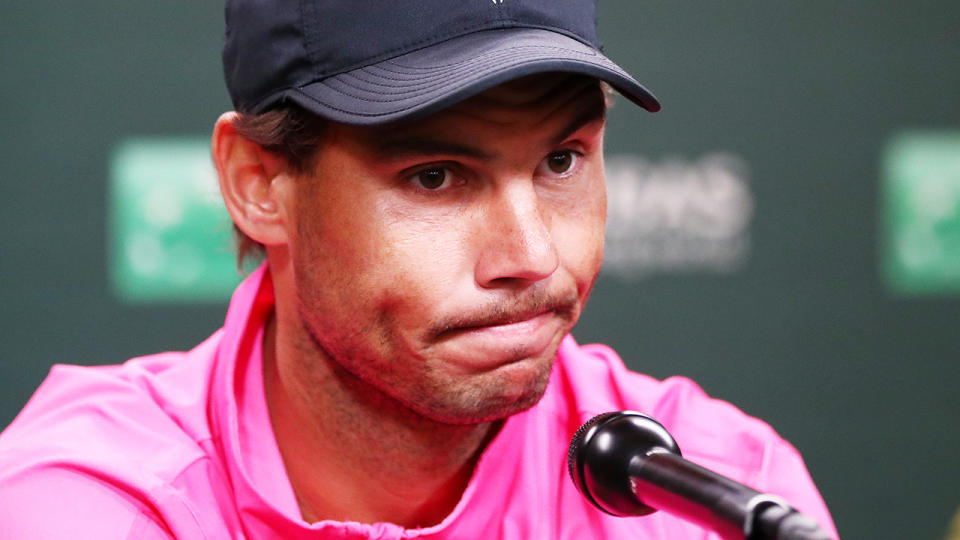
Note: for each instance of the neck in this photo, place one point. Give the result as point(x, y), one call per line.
point(352, 452)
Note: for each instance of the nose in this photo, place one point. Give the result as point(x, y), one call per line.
point(517, 244)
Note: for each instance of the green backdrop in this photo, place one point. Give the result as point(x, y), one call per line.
point(786, 230)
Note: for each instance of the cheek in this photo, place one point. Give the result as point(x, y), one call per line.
point(402, 266)
point(379, 251)
point(579, 234)
point(334, 254)
point(426, 257)
point(579, 223)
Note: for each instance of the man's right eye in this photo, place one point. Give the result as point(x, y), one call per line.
point(431, 179)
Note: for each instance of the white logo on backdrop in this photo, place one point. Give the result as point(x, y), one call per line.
point(677, 216)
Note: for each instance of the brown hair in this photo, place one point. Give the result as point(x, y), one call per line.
point(289, 132)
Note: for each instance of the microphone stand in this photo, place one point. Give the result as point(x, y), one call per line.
point(733, 510)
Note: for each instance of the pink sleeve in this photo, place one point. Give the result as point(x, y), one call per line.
point(56, 503)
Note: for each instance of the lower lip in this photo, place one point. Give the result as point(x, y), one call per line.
point(490, 346)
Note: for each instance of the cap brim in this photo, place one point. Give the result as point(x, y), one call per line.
point(425, 81)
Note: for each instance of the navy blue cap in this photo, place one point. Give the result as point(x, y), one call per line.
point(367, 62)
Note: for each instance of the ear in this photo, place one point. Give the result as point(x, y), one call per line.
point(256, 185)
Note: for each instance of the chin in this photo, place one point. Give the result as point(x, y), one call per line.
point(496, 396)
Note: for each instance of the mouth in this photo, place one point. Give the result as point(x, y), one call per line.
point(505, 317)
point(513, 321)
point(504, 337)
point(520, 333)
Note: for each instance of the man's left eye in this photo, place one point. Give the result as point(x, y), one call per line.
point(561, 162)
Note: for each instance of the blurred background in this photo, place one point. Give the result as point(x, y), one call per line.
point(786, 231)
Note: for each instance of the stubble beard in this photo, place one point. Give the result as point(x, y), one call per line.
point(370, 376)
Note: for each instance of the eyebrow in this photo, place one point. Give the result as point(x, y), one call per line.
point(411, 146)
point(594, 113)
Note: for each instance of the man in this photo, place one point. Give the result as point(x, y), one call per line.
point(426, 182)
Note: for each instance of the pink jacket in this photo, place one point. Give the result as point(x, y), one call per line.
point(179, 445)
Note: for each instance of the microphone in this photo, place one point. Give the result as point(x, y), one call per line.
point(627, 464)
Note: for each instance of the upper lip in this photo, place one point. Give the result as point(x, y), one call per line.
point(502, 314)
point(501, 320)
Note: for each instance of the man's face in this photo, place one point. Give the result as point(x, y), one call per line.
point(441, 261)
